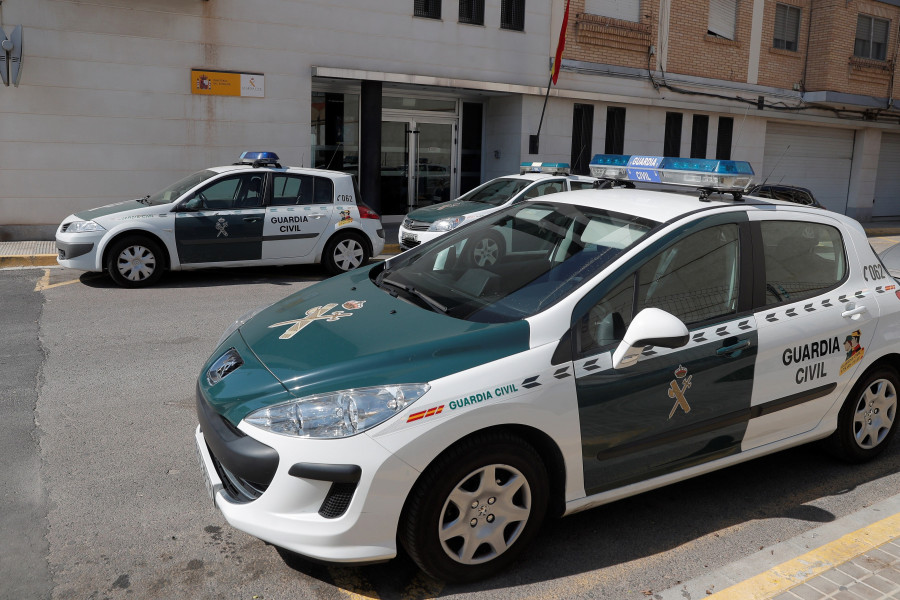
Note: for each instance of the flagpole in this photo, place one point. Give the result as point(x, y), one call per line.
point(534, 143)
point(534, 140)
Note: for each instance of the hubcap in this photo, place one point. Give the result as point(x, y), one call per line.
point(348, 254)
point(136, 263)
point(875, 414)
point(486, 252)
point(485, 514)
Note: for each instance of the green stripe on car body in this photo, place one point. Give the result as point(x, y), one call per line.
point(109, 209)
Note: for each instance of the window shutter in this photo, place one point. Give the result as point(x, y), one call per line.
point(722, 17)
point(879, 38)
point(626, 10)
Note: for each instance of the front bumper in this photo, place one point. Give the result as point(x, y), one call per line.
point(410, 239)
point(332, 500)
point(78, 250)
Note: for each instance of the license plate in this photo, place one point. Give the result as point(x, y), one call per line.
point(210, 488)
point(410, 237)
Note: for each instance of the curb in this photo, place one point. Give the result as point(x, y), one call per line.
point(33, 260)
point(880, 231)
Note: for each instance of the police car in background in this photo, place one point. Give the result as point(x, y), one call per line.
point(254, 212)
point(535, 179)
point(629, 339)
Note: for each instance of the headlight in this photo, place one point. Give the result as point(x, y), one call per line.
point(338, 414)
point(240, 321)
point(84, 227)
point(446, 224)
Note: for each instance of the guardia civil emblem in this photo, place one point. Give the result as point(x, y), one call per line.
point(317, 313)
point(220, 227)
point(677, 389)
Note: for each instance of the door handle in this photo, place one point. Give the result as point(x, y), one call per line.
point(854, 311)
point(252, 219)
point(733, 349)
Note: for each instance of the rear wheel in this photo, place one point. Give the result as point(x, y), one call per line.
point(868, 419)
point(344, 252)
point(476, 508)
point(487, 250)
point(135, 261)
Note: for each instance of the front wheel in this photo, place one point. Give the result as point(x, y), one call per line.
point(344, 253)
point(135, 262)
point(476, 508)
point(868, 419)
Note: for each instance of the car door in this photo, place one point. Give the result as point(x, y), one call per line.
point(674, 408)
point(816, 315)
point(299, 212)
point(222, 221)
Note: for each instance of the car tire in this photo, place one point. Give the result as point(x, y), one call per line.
point(476, 508)
point(486, 250)
point(868, 418)
point(135, 261)
point(345, 252)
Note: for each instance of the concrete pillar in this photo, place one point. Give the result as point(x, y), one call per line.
point(863, 172)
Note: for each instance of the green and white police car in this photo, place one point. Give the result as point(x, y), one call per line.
point(251, 213)
point(629, 339)
point(534, 179)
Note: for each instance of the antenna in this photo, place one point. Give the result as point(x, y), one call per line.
point(777, 162)
point(741, 130)
point(333, 154)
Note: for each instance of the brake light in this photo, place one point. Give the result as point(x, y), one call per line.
point(367, 213)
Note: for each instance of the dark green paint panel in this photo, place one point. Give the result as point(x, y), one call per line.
point(627, 435)
point(206, 238)
point(109, 209)
point(444, 210)
point(387, 341)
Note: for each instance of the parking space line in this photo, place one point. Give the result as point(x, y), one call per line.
point(44, 282)
point(803, 568)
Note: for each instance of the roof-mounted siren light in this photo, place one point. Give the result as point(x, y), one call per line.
point(259, 159)
point(707, 175)
point(548, 168)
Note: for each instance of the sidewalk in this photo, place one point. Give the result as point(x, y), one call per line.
point(853, 558)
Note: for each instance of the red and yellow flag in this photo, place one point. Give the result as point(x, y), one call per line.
point(560, 46)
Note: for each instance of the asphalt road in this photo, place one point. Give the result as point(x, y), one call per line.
point(104, 499)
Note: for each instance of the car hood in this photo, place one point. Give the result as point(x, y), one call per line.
point(109, 209)
point(444, 210)
point(360, 336)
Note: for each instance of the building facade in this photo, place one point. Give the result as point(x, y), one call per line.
point(424, 99)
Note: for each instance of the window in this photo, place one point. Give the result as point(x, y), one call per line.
point(722, 18)
point(615, 130)
point(787, 27)
point(607, 320)
point(544, 188)
point(695, 278)
point(334, 129)
point(871, 37)
point(512, 14)
point(471, 11)
point(672, 139)
point(582, 131)
point(626, 10)
point(723, 138)
point(699, 131)
point(802, 260)
point(430, 9)
point(228, 193)
point(289, 189)
point(581, 185)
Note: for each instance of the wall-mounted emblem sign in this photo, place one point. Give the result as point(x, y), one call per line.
point(208, 82)
point(11, 56)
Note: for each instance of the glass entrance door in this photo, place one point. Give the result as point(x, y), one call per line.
point(417, 163)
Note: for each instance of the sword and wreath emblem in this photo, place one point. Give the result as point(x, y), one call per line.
point(677, 391)
point(317, 313)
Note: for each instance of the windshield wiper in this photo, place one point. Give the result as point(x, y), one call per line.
point(431, 302)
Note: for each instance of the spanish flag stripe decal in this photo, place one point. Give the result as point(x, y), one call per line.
point(415, 416)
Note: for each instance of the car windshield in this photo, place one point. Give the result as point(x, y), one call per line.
point(497, 191)
point(514, 263)
point(177, 189)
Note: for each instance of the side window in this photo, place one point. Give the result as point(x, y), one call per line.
point(289, 189)
point(544, 188)
point(581, 185)
point(237, 191)
point(802, 259)
point(607, 320)
point(696, 278)
point(323, 191)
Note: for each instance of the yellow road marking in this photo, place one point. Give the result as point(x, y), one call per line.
point(351, 584)
point(422, 587)
point(44, 283)
point(803, 568)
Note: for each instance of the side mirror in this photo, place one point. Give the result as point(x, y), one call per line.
point(651, 327)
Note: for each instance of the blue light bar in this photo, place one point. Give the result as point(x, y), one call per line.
point(553, 168)
point(709, 174)
point(261, 158)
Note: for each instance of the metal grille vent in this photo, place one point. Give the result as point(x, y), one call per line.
point(337, 500)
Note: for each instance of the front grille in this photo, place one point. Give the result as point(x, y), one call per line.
point(337, 500)
point(413, 225)
point(240, 490)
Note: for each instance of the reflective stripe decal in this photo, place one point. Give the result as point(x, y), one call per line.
point(793, 400)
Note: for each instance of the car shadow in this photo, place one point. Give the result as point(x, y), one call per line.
point(285, 275)
point(779, 486)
